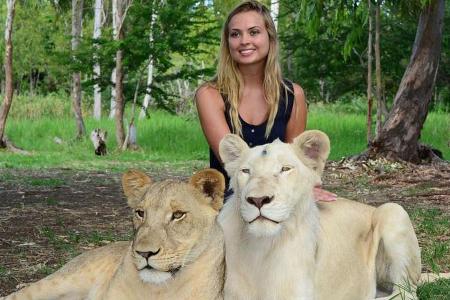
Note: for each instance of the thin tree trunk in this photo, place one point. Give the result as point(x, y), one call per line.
point(119, 109)
point(77, 15)
point(274, 10)
point(31, 83)
point(369, 76)
point(148, 89)
point(112, 111)
point(378, 68)
point(399, 137)
point(130, 141)
point(98, 21)
point(9, 89)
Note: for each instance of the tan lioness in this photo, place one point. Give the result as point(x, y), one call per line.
point(281, 244)
point(176, 252)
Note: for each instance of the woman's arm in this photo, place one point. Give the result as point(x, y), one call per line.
point(211, 112)
point(297, 120)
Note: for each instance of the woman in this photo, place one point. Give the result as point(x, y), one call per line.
point(248, 96)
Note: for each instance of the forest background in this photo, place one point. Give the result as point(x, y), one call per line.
point(170, 47)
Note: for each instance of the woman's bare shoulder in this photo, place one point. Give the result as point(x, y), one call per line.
point(207, 93)
point(298, 90)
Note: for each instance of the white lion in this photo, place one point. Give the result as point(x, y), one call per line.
point(281, 244)
point(176, 252)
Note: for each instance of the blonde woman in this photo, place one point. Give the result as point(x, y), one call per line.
point(248, 95)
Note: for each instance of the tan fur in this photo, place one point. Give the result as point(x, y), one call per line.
point(179, 234)
point(295, 248)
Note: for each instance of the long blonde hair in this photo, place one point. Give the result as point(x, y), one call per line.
point(228, 79)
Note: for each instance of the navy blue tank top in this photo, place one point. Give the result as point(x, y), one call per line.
point(254, 135)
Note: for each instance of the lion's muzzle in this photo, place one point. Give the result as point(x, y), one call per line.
point(148, 254)
point(259, 201)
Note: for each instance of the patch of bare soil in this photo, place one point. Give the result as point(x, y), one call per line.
point(49, 216)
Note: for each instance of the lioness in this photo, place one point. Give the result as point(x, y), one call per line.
point(281, 244)
point(176, 252)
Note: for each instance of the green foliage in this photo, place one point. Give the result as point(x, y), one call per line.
point(324, 46)
point(439, 290)
point(181, 29)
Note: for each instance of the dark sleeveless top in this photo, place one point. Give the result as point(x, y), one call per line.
point(254, 135)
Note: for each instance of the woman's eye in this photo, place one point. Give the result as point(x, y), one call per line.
point(246, 171)
point(234, 34)
point(178, 215)
point(140, 213)
point(285, 168)
point(254, 32)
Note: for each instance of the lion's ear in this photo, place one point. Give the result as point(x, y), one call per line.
point(212, 184)
point(230, 149)
point(313, 148)
point(134, 184)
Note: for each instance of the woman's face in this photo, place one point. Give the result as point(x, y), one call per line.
point(248, 38)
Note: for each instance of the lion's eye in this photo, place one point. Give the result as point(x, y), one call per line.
point(178, 215)
point(285, 168)
point(139, 213)
point(246, 171)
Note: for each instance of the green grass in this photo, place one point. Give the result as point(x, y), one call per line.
point(51, 202)
point(161, 138)
point(438, 290)
point(164, 138)
point(3, 271)
point(433, 226)
point(48, 182)
point(347, 131)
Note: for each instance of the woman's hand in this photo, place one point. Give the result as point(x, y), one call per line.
point(322, 195)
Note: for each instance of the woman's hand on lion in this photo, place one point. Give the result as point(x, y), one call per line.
point(322, 195)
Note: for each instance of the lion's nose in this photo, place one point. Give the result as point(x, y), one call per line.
point(148, 254)
point(259, 201)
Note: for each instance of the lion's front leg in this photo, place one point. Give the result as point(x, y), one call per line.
point(294, 279)
point(51, 288)
point(238, 288)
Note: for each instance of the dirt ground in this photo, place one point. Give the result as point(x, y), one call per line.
point(49, 216)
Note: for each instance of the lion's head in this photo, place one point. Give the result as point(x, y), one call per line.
point(271, 182)
point(172, 220)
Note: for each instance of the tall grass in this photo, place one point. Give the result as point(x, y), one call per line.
point(161, 138)
point(34, 124)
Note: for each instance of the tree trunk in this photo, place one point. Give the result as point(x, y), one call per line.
point(98, 22)
point(274, 10)
point(378, 68)
point(77, 15)
point(112, 110)
point(119, 108)
point(399, 137)
point(31, 83)
point(369, 76)
point(9, 89)
point(148, 89)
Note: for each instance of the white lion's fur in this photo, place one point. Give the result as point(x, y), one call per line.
point(154, 276)
point(316, 251)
